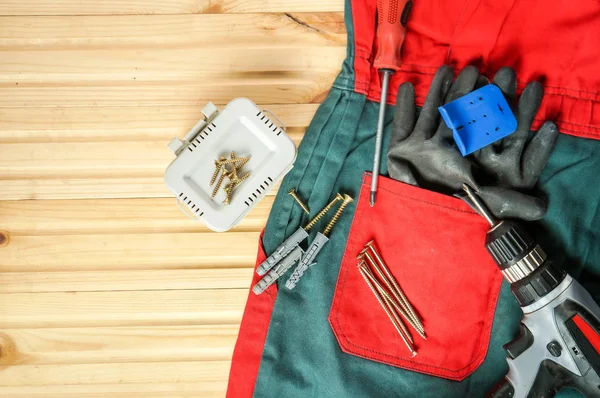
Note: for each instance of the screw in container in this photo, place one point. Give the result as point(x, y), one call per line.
point(225, 174)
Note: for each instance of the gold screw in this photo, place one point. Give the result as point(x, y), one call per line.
point(338, 213)
point(401, 299)
point(229, 191)
point(293, 194)
point(394, 287)
point(399, 306)
point(242, 161)
point(224, 161)
point(400, 328)
point(324, 211)
point(225, 174)
point(243, 178)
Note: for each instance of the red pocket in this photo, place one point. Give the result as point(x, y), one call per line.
point(253, 333)
point(434, 246)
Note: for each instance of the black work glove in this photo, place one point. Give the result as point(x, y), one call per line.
point(421, 151)
point(424, 153)
point(517, 161)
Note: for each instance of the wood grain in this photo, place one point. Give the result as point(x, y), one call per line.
point(128, 251)
point(128, 280)
point(86, 345)
point(106, 288)
point(117, 216)
point(69, 158)
point(212, 372)
point(112, 7)
point(205, 389)
point(115, 124)
point(122, 308)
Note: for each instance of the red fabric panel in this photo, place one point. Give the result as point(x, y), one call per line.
point(555, 43)
point(434, 246)
point(588, 332)
point(251, 339)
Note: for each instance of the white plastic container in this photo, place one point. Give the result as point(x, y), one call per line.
point(240, 127)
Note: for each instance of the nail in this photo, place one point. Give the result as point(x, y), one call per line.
point(396, 287)
point(398, 326)
point(412, 318)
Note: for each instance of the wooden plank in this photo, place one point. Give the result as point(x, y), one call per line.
point(63, 346)
point(128, 252)
point(136, 308)
point(204, 389)
point(112, 216)
point(303, 87)
point(112, 7)
point(81, 188)
point(116, 124)
point(72, 161)
point(212, 372)
point(172, 66)
point(191, 32)
point(153, 60)
point(61, 153)
point(99, 281)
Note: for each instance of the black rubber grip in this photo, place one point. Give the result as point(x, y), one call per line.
point(508, 243)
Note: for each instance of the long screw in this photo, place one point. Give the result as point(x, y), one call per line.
point(293, 194)
point(402, 311)
point(394, 283)
point(229, 190)
point(320, 215)
point(216, 173)
point(338, 213)
point(235, 161)
point(398, 295)
point(242, 161)
point(400, 328)
point(225, 173)
point(385, 295)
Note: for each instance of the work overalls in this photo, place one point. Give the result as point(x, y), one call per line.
point(325, 338)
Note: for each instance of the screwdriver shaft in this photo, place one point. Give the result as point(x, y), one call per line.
point(379, 137)
point(482, 209)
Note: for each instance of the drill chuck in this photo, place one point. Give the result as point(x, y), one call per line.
point(515, 252)
point(521, 260)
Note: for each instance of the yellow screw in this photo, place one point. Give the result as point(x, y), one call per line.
point(225, 174)
point(229, 191)
point(224, 161)
point(293, 194)
point(218, 165)
point(338, 213)
point(320, 215)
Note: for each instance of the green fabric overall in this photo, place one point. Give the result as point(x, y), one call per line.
point(302, 357)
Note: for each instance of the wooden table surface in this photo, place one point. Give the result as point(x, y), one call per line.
point(106, 288)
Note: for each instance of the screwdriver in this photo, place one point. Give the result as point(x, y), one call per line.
point(392, 16)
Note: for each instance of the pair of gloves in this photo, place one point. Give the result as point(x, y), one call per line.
point(422, 151)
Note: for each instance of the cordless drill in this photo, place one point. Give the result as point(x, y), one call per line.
point(559, 341)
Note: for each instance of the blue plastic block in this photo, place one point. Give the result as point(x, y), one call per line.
point(479, 118)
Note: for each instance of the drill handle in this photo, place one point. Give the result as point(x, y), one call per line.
point(550, 378)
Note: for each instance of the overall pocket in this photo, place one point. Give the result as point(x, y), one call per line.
point(434, 247)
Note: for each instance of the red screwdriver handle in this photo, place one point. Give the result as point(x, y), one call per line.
point(392, 16)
